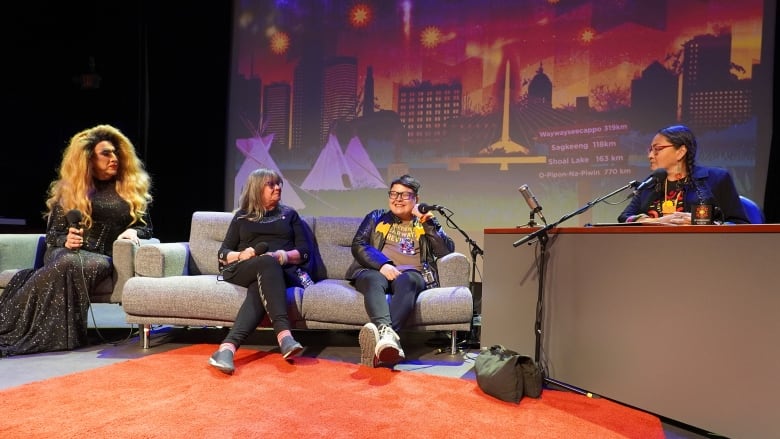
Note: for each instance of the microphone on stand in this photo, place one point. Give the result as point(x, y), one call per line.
point(530, 199)
point(425, 208)
point(657, 176)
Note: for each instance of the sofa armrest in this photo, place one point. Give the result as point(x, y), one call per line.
point(454, 270)
point(21, 250)
point(162, 259)
point(123, 260)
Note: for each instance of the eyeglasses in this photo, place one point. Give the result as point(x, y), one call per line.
point(402, 195)
point(655, 149)
point(272, 184)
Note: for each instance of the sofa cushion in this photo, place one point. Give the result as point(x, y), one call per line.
point(206, 235)
point(336, 301)
point(334, 238)
point(333, 300)
point(442, 306)
point(6, 275)
point(191, 297)
point(21, 250)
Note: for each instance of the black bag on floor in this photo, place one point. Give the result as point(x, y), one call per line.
point(507, 375)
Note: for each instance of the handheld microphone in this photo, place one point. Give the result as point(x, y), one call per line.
point(74, 217)
point(657, 175)
point(425, 208)
point(260, 248)
point(530, 199)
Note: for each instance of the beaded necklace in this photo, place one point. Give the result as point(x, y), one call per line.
point(670, 206)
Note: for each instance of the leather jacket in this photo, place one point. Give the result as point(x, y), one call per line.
point(370, 238)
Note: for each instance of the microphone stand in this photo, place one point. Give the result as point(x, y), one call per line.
point(532, 219)
point(542, 237)
point(475, 251)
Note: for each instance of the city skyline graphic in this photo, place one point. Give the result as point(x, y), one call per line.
point(572, 89)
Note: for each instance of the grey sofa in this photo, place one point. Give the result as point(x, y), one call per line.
point(177, 284)
point(25, 250)
point(19, 251)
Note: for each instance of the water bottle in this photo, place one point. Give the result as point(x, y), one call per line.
point(428, 276)
point(304, 278)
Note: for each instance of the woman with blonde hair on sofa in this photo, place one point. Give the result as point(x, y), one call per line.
point(263, 249)
point(101, 195)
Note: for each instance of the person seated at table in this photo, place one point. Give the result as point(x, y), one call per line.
point(671, 200)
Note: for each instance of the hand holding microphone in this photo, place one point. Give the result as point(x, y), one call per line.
point(423, 211)
point(74, 240)
point(425, 208)
point(258, 250)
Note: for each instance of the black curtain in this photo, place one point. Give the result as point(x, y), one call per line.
point(156, 70)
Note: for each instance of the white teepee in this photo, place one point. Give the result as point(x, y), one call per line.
point(330, 171)
point(363, 173)
point(255, 149)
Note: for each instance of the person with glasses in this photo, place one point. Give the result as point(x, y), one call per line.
point(686, 186)
point(265, 246)
point(102, 194)
point(395, 253)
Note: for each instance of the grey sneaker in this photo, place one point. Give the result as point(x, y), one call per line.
point(368, 338)
point(290, 347)
point(388, 349)
point(223, 360)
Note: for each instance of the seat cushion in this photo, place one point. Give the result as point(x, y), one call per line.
point(190, 297)
point(336, 301)
point(6, 275)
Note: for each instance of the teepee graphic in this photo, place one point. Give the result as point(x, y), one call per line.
point(363, 173)
point(255, 150)
point(505, 143)
point(336, 170)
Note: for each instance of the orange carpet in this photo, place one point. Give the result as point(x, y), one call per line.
point(177, 395)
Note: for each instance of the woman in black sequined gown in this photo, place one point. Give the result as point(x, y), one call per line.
point(104, 188)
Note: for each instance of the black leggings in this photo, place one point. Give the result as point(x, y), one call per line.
point(266, 291)
point(403, 290)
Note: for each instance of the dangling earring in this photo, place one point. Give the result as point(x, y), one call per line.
point(678, 174)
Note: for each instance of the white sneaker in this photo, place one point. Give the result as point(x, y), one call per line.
point(368, 338)
point(388, 349)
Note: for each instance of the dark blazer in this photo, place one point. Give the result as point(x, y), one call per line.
point(711, 185)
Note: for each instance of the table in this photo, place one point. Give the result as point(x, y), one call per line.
point(683, 322)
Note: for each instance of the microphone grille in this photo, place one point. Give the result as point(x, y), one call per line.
point(261, 248)
point(74, 216)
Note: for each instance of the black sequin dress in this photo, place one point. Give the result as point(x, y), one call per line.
point(46, 309)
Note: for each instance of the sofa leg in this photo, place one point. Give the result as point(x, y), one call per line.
point(145, 333)
point(453, 342)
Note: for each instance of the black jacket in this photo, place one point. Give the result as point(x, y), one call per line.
point(370, 238)
point(711, 185)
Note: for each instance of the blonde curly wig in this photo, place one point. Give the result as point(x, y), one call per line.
point(75, 185)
